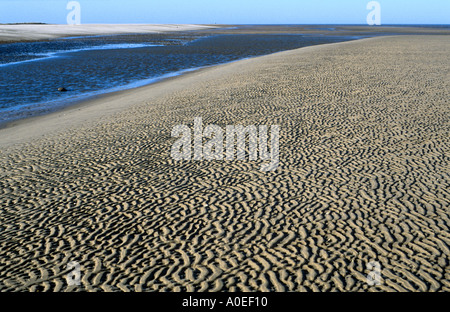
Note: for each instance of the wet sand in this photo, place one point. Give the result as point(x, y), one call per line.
point(363, 176)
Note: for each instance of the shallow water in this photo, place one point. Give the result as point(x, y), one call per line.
point(31, 73)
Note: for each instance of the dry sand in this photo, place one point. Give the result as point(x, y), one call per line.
point(364, 176)
point(26, 32)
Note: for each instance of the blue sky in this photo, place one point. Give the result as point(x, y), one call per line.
point(227, 11)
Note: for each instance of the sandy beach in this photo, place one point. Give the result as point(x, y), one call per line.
point(363, 177)
point(32, 32)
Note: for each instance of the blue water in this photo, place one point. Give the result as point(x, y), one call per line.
point(31, 73)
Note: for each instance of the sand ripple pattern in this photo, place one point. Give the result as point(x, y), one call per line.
point(364, 176)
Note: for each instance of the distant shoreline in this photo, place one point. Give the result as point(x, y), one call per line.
point(10, 33)
point(23, 32)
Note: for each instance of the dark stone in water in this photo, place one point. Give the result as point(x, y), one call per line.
point(62, 89)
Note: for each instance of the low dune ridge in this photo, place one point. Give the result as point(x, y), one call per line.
point(363, 177)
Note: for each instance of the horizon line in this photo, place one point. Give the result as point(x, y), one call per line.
point(252, 24)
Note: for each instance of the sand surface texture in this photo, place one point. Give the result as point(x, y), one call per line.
point(364, 176)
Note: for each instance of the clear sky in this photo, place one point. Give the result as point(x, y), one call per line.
point(227, 11)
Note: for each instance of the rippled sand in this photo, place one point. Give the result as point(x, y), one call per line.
point(364, 176)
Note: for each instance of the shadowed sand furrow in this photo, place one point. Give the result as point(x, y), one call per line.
point(363, 176)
